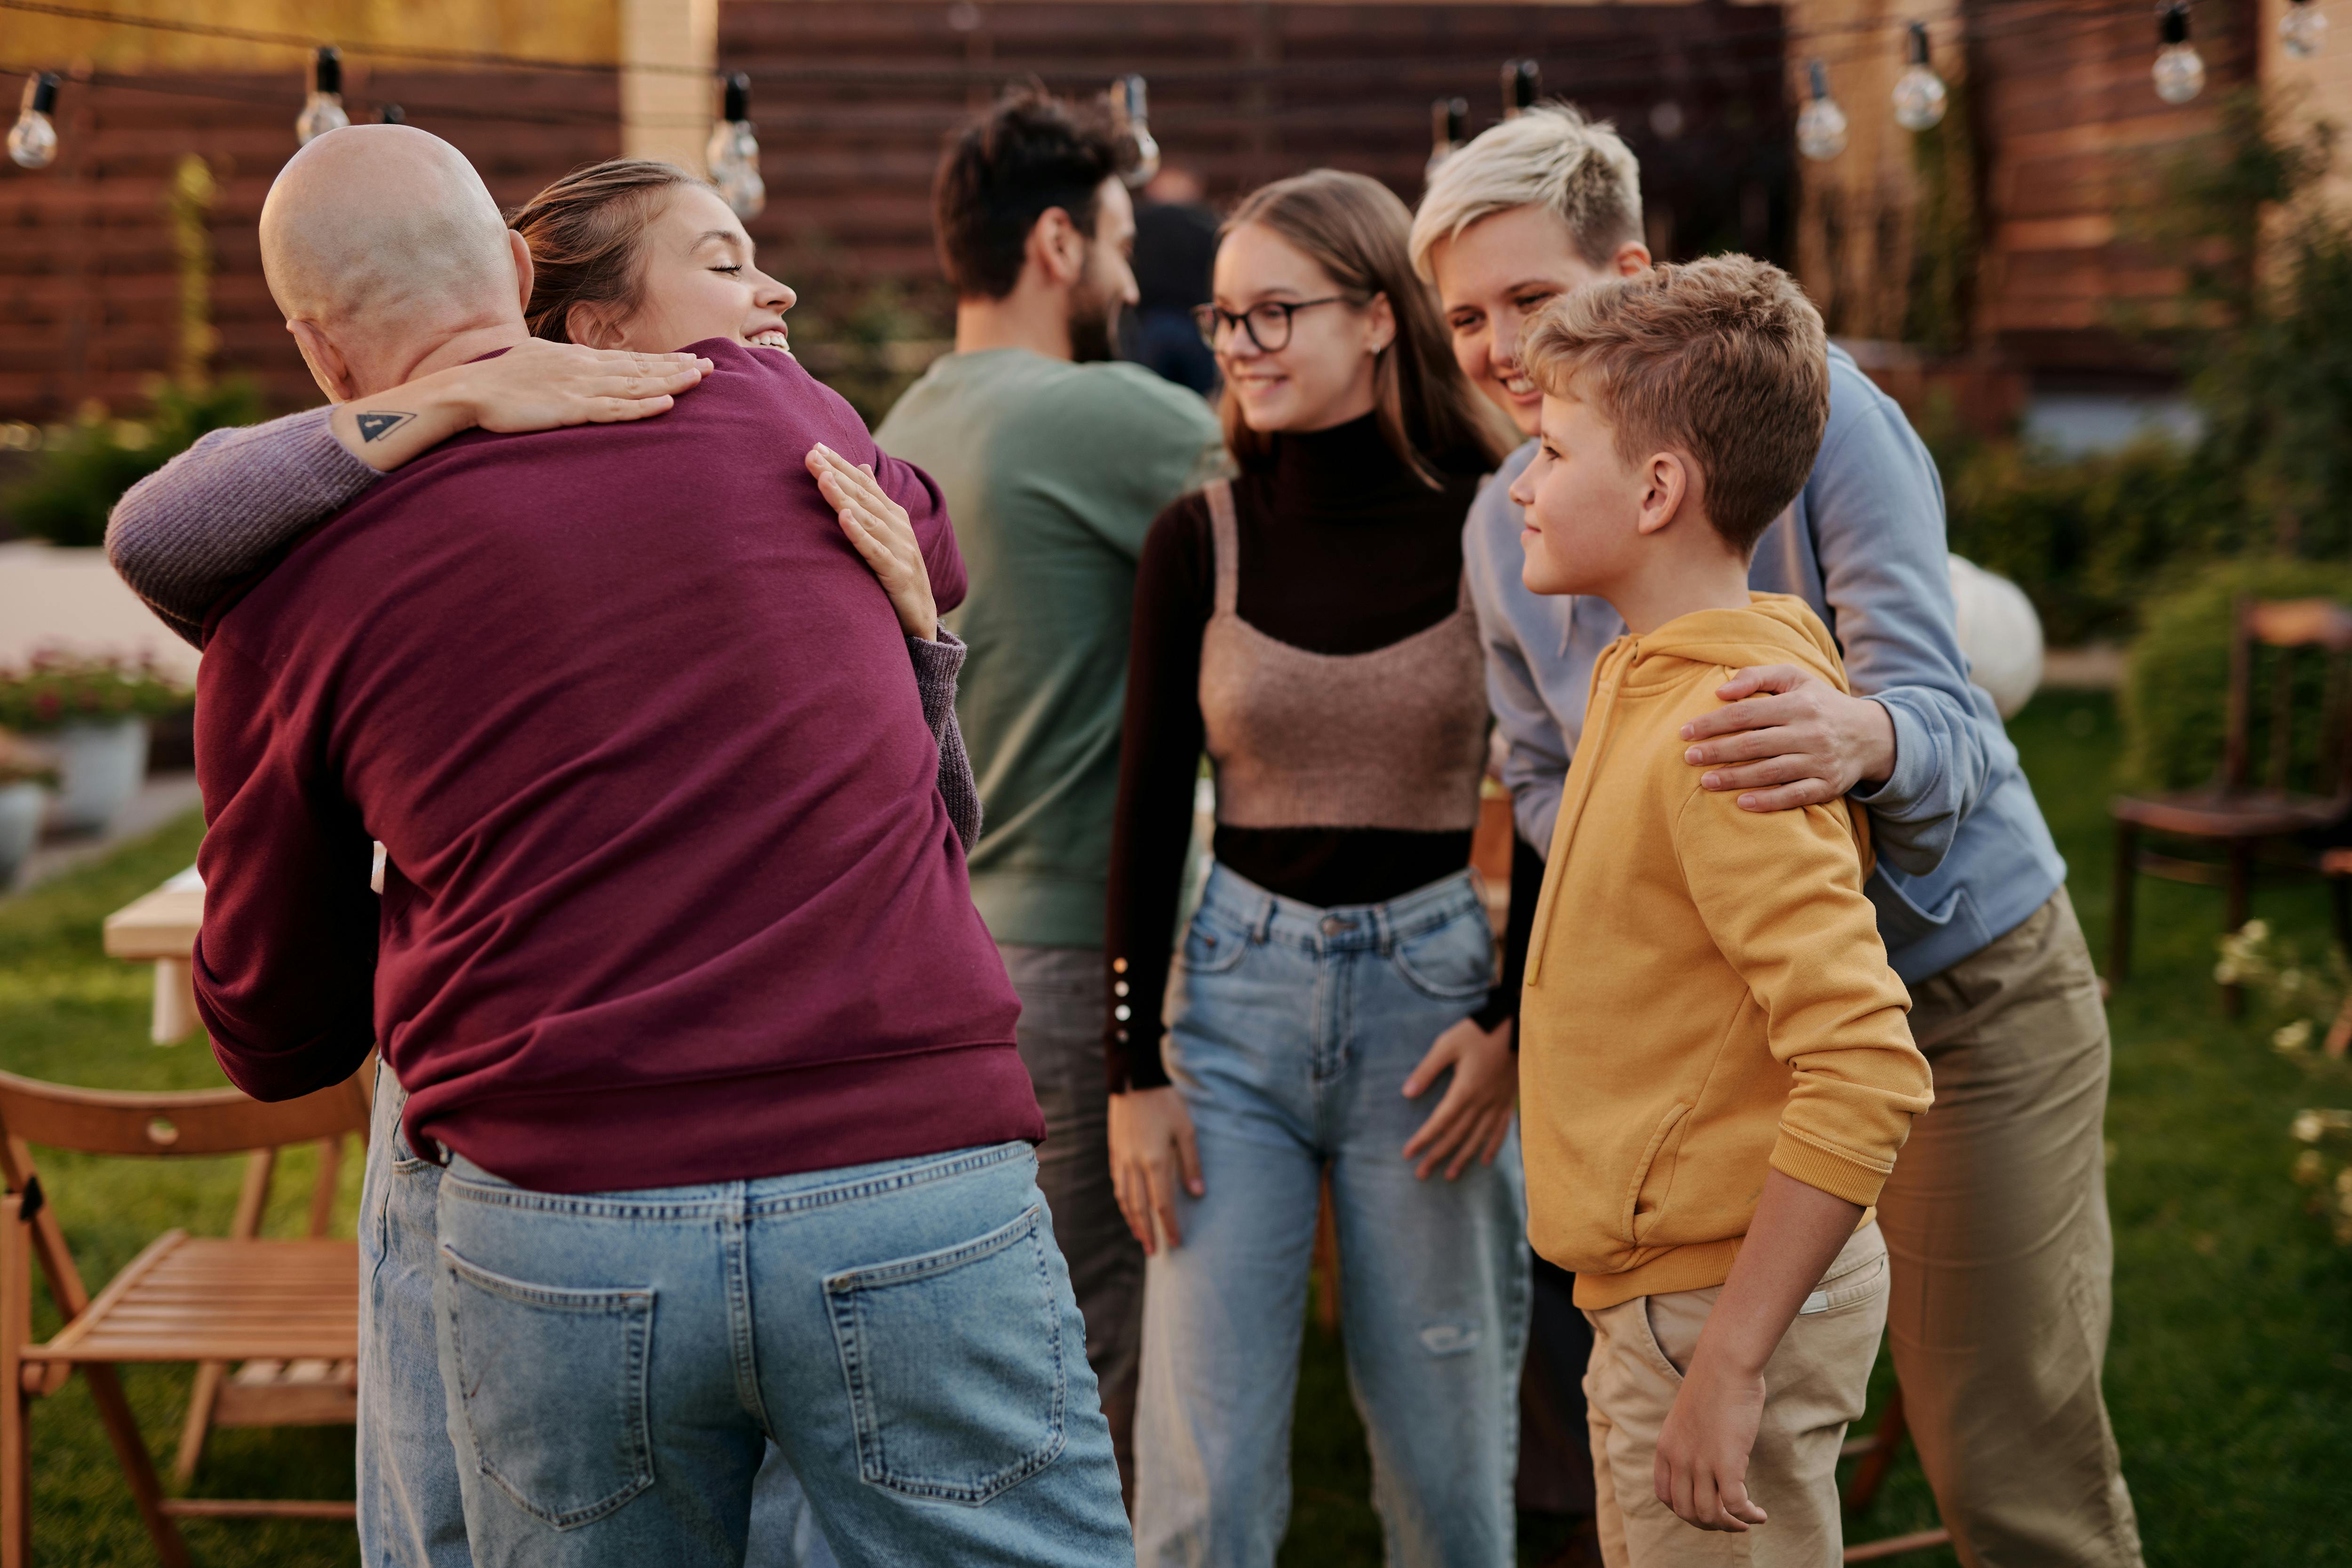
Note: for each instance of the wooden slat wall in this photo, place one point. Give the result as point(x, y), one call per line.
point(88, 287)
point(1245, 93)
point(2073, 138)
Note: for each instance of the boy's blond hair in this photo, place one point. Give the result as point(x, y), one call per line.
point(1552, 157)
point(1724, 359)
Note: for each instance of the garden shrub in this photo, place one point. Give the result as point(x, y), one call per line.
point(2176, 691)
point(83, 469)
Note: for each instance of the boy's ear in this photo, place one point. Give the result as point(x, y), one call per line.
point(1665, 487)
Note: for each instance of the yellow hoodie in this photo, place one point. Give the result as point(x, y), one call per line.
point(1706, 994)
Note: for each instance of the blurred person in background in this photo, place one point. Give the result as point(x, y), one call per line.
point(1175, 247)
point(1307, 625)
point(1996, 1218)
point(1053, 458)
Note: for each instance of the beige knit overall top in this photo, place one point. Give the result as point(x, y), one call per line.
point(1393, 737)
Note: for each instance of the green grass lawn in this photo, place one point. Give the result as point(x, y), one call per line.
point(2231, 1377)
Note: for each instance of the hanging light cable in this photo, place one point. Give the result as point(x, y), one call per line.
point(2180, 69)
point(1449, 127)
point(2303, 29)
point(1919, 95)
point(1821, 128)
point(33, 139)
point(734, 151)
point(1522, 83)
point(323, 110)
point(1132, 108)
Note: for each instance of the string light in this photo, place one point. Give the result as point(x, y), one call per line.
point(33, 139)
point(392, 114)
point(2303, 29)
point(1821, 128)
point(323, 110)
point(1919, 95)
point(734, 152)
point(1522, 82)
point(1449, 127)
point(2180, 69)
point(1132, 111)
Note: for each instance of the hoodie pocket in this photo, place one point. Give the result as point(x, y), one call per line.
point(1637, 1189)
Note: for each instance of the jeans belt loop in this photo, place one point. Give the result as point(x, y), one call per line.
point(1264, 927)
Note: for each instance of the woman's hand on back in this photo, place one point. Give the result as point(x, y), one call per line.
point(882, 533)
point(535, 385)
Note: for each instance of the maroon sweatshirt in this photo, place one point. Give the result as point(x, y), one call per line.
point(671, 896)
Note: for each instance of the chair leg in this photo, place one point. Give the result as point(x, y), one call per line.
point(2234, 916)
point(138, 1465)
point(16, 1320)
point(2119, 928)
point(1879, 1456)
point(198, 1425)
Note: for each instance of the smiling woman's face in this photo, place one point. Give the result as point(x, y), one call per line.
point(699, 282)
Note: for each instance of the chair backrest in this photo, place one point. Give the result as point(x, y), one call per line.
point(2289, 626)
point(208, 1121)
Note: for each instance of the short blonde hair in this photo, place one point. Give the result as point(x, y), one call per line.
point(1553, 157)
point(1724, 359)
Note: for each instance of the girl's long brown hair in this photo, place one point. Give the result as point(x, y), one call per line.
point(586, 232)
point(1356, 229)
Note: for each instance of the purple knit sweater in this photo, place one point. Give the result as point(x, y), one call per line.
point(218, 516)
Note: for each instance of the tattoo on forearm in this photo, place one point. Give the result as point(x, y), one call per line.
point(376, 425)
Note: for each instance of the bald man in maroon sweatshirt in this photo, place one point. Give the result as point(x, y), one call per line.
point(678, 965)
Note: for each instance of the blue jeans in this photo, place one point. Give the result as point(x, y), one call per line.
point(411, 1511)
point(1292, 1031)
point(616, 1364)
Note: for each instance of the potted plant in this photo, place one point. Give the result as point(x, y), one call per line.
point(25, 785)
point(92, 712)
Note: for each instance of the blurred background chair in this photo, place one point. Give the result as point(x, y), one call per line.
point(2234, 820)
point(288, 1310)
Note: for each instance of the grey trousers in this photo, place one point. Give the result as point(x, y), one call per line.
point(1996, 1225)
point(1063, 1006)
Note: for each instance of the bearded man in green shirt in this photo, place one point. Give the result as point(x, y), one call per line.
point(1053, 459)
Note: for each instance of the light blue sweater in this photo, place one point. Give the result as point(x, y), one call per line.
point(1963, 854)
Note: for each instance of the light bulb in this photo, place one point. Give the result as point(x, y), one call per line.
point(734, 152)
point(1449, 126)
point(33, 139)
point(2180, 69)
point(323, 110)
point(1522, 82)
point(1919, 95)
point(2303, 29)
point(1821, 129)
point(1134, 116)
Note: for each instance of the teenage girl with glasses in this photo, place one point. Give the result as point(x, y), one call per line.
point(1307, 625)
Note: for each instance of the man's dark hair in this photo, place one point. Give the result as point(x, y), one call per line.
point(1030, 153)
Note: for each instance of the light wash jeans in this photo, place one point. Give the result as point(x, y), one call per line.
point(411, 1513)
point(615, 1363)
point(1293, 1029)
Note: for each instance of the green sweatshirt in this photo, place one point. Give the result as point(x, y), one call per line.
point(1053, 472)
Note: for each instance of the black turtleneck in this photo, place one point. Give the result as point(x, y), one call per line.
point(1343, 549)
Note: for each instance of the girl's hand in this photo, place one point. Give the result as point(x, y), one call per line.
point(879, 529)
point(535, 385)
point(1474, 1116)
point(1151, 1147)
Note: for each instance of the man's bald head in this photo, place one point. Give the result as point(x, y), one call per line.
point(385, 241)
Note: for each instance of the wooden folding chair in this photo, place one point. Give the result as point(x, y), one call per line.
point(288, 1310)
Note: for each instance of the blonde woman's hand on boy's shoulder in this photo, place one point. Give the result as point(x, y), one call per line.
point(1789, 738)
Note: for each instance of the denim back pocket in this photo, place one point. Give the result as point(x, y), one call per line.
point(553, 1385)
point(958, 1386)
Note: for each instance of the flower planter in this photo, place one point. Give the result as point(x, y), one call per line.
point(22, 807)
point(100, 766)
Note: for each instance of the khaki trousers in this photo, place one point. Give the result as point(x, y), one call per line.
point(1996, 1225)
point(1817, 1381)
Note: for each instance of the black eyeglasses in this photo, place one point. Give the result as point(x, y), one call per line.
point(1266, 323)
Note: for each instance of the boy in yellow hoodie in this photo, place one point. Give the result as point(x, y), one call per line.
point(1716, 1070)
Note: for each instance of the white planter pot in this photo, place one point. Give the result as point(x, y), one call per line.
point(100, 767)
point(22, 807)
